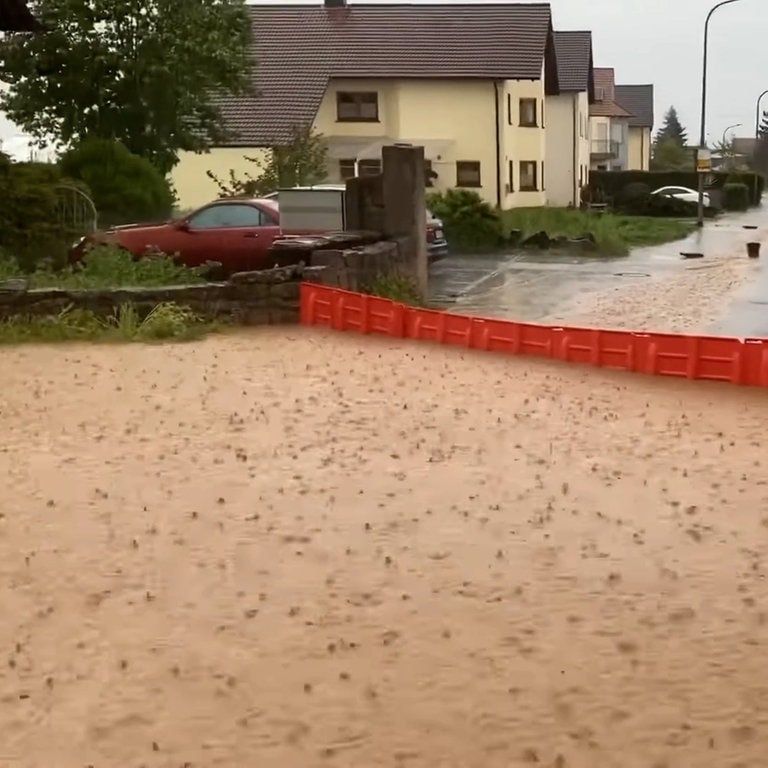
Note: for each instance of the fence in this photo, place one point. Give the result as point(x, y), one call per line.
point(711, 358)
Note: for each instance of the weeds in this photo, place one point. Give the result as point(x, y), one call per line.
point(166, 321)
point(614, 234)
point(398, 288)
point(107, 266)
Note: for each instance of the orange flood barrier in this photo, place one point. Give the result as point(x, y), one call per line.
point(712, 358)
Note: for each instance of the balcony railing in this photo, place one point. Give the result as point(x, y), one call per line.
point(605, 148)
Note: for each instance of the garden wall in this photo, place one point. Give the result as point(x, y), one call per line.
point(267, 297)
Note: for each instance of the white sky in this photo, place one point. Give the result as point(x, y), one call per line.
point(652, 41)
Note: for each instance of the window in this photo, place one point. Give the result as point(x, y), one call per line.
point(599, 94)
point(229, 215)
point(542, 113)
point(509, 109)
point(369, 167)
point(364, 168)
point(357, 107)
point(429, 174)
point(581, 125)
point(543, 177)
point(346, 169)
point(468, 174)
point(528, 180)
point(511, 175)
point(528, 113)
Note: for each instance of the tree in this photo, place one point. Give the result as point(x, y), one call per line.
point(668, 155)
point(301, 163)
point(672, 130)
point(124, 187)
point(139, 71)
point(762, 129)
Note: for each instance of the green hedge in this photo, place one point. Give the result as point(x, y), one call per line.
point(33, 225)
point(611, 183)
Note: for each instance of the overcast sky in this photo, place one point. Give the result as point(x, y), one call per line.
point(660, 42)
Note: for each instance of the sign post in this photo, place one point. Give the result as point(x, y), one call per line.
point(703, 160)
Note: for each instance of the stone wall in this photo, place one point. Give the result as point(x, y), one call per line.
point(250, 298)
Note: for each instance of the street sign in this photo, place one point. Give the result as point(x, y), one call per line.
point(703, 161)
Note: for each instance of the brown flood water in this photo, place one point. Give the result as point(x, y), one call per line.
point(296, 549)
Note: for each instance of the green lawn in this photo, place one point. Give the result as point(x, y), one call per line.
point(615, 234)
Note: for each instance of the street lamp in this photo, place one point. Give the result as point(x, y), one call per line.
point(725, 139)
point(703, 133)
point(757, 113)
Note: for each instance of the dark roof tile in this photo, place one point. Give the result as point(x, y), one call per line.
point(574, 60)
point(637, 99)
point(299, 48)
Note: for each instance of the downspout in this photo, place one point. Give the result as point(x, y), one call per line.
point(576, 154)
point(498, 144)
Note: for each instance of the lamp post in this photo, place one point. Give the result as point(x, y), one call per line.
point(757, 113)
point(725, 139)
point(703, 133)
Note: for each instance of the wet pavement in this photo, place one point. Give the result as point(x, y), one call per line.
point(528, 286)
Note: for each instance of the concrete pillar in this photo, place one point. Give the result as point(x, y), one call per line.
point(405, 208)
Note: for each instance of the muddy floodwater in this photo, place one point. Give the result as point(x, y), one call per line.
point(287, 549)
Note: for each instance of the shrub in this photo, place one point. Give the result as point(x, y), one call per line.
point(735, 197)
point(632, 192)
point(124, 187)
point(611, 183)
point(660, 206)
point(33, 227)
point(470, 223)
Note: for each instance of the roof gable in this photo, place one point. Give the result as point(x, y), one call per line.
point(574, 61)
point(637, 99)
point(297, 49)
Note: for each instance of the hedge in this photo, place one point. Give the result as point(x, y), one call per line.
point(611, 183)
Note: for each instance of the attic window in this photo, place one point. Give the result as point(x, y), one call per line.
point(600, 94)
point(357, 107)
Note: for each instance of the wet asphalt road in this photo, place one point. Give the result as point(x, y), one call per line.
point(528, 286)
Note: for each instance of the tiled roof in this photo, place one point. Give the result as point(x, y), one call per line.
point(608, 109)
point(637, 99)
point(15, 16)
point(299, 48)
point(574, 60)
point(605, 80)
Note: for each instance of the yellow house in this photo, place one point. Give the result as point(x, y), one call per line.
point(567, 129)
point(638, 100)
point(469, 83)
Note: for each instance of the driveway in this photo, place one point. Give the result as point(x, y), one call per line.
point(529, 286)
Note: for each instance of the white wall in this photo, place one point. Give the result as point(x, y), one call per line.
point(561, 170)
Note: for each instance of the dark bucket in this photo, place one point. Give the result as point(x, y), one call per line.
point(753, 250)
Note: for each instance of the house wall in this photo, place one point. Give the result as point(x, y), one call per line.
point(461, 116)
point(639, 158)
point(614, 129)
point(521, 143)
point(562, 149)
point(584, 145)
point(189, 178)
point(620, 134)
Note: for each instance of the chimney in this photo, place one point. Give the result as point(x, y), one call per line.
point(335, 3)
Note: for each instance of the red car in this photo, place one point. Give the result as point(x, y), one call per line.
point(237, 233)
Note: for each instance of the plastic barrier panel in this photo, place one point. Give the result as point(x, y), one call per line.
point(708, 358)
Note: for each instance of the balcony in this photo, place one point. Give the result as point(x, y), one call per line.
point(605, 149)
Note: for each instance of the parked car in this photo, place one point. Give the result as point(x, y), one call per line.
point(682, 193)
point(235, 232)
point(437, 245)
